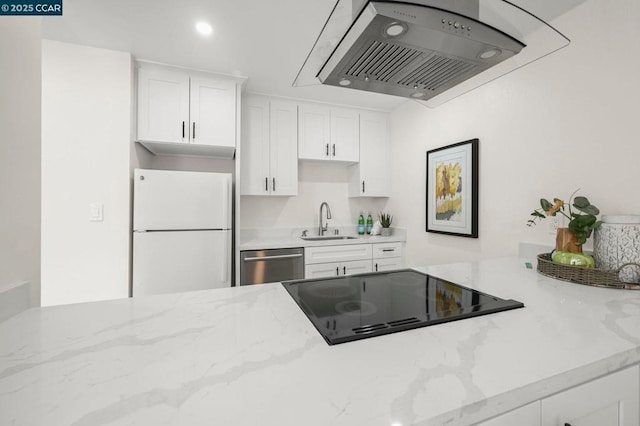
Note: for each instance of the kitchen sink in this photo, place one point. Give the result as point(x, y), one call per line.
point(328, 238)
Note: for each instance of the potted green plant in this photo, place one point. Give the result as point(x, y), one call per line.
point(385, 221)
point(582, 216)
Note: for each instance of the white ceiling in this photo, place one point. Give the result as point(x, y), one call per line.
point(264, 40)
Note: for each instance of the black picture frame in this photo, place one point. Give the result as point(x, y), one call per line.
point(452, 189)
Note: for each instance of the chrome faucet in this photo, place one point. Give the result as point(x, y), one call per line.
point(323, 229)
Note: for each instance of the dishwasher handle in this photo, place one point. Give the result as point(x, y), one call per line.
point(282, 256)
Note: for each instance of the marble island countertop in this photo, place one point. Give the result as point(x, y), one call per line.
point(249, 356)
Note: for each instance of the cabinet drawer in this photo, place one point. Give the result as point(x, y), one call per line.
point(382, 250)
point(326, 254)
point(322, 270)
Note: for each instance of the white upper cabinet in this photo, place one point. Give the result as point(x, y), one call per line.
point(269, 147)
point(327, 133)
point(163, 105)
point(371, 177)
point(195, 110)
point(213, 112)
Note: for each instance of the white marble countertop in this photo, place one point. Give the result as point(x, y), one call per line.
point(249, 356)
point(264, 239)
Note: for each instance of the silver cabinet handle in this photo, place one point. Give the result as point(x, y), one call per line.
point(282, 256)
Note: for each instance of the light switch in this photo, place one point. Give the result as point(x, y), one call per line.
point(96, 212)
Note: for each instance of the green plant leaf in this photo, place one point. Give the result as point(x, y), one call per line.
point(590, 209)
point(536, 213)
point(580, 202)
point(584, 221)
point(545, 204)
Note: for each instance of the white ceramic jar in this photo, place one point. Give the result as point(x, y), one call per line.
point(617, 242)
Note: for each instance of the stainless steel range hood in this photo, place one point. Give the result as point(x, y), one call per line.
point(414, 50)
point(427, 50)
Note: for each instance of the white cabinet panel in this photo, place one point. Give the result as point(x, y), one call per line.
point(529, 415)
point(613, 400)
point(336, 269)
point(269, 147)
point(326, 133)
point(345, 135)
point(383, 250)
point(186, 112)
point(255, 147)
point(389, 264)
point(371, 177)
point(322, 270)
point(314, 129)
point(355, 267)
point(213, 112)
point(325, 254)
point(163, 106)
point(283, 156)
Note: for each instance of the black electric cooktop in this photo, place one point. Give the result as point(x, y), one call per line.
point(356, 307)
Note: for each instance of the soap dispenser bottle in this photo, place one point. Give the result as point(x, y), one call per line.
point(361, 225)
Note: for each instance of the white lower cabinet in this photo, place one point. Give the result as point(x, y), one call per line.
point(349, 259)
point(387, 257)
point(337, 269)
point(612, 400)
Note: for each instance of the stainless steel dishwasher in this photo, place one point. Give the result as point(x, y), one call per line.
point(266, 266)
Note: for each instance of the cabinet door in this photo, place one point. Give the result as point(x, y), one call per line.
point(255, 147)
point(355, 267)
point(314, 140)
point(213, 112)
point(322, 270)
point(613, 400)
point(529, 415)
point(163, 106)
point(326, 254)
point(387, 264)
point(345, 135)
point(284, 148)
point(375, 155)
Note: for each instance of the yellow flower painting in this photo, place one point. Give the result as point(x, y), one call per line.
point(448, 191)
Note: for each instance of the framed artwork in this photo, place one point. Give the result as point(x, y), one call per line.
point(452, 189)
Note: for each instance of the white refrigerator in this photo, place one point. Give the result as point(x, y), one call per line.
point(181, 231)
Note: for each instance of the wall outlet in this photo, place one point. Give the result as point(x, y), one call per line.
point(555, 222)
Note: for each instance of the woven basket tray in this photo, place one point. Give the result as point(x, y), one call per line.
point(587, 276)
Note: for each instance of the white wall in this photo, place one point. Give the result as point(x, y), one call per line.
point(86, 155)
point(568, 121)
point(20, 152)
point(316, 183)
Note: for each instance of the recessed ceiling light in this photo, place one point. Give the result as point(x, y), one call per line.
point(344, 82)
point(417, 95)
point(204, 29)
